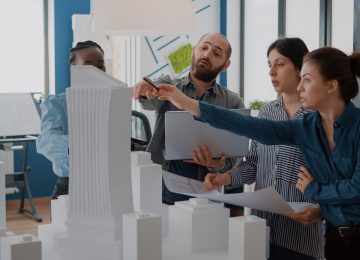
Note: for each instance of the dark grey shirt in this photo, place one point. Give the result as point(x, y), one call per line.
point(216, 95)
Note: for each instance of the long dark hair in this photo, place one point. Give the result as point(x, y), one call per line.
point(292, 48)
point(334, 64)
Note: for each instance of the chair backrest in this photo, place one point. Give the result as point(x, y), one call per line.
point(140, 130)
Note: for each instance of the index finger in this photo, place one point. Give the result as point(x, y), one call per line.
point(149, 81)
point(306, 173)
point(137, 90)
point(206, 153)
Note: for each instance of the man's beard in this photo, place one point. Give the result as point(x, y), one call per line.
point(204, 74)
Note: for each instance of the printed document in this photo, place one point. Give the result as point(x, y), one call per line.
point(267, 199)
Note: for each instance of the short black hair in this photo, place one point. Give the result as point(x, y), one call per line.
point(292, 48)
point(83, 45)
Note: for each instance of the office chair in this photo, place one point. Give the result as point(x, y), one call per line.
point(140, 131)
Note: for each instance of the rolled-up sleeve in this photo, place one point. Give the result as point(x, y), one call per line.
point(53, 142)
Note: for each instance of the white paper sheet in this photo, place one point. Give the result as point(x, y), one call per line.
point(183, 134)
point(299, 206)
point(267, 199)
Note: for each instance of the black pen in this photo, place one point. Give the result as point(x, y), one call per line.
point(150, 82)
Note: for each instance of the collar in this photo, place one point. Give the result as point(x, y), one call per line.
point(346, 116)
point(187, 80)
point(280, 102)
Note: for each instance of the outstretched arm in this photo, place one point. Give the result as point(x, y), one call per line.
point(179, 99)
point(265, 131)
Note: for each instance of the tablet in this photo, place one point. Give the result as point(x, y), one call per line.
point(183, 133)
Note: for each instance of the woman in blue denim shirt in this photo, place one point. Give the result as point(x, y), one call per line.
point(329, 139)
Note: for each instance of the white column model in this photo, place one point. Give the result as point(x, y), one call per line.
point(15, 247)
point(247, 238)
point(99, 117)
point(147, 187)
point(2, 202)
point(146, 182)
point(20, 247)
point(142, 236)
point(198, 225)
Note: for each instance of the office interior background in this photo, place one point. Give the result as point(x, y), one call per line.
point(38, 34)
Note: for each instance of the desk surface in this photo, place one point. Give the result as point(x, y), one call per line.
point(14, 139)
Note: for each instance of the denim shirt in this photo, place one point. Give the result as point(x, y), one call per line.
point(53, 142)
point(337, 173)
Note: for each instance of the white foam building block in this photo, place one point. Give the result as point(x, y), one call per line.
point(142, 239)
point(99, 116)
point(247, 238)
point(146, 182)
point(165, 220)
point(20, 247)
point(147, 187)
point(198, 225)
point(59, 211)
point(49, 233)
point(48, 253)
point(2, 202)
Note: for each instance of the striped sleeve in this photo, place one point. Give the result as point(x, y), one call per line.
point(245, 172)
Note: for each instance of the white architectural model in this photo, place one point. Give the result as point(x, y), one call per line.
point(99, 165)
point(247, 238)
point(20, 247)
point(100, 173)
point(95, 222)
point(2, 202)
point(50, 233)
point(198, 225)
point(15, 247)
point(142, 236)
point(146, 181)
point(147, 187)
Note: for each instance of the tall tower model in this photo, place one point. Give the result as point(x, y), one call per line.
point(2, 202)
point(99, 116)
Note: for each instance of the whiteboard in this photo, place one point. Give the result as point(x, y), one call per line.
point(18, 115)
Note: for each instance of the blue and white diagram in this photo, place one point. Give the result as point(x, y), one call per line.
point(171, 54)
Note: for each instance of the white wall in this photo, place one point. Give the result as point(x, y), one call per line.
point(22, 46)
point(261, 23)
point(152, 50)
point(233, 35)
point(303, 21)
point(260, 31)
point(343, 24)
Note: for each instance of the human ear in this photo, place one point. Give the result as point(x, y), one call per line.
point(333, 86)
point(226, 65)
point(193, 49)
